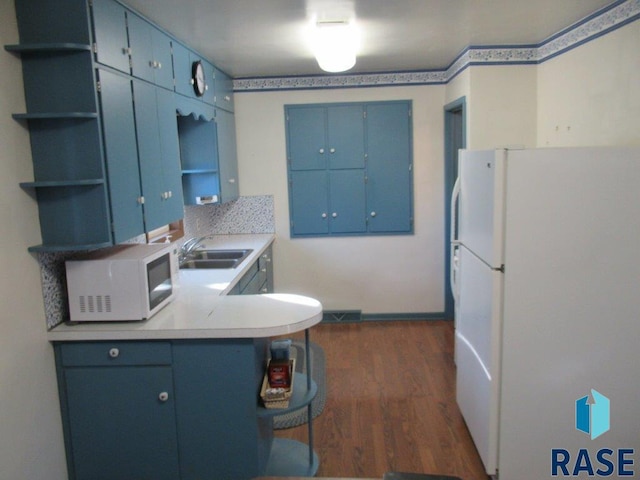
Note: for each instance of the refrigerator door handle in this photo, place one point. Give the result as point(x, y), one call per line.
point(454, 264)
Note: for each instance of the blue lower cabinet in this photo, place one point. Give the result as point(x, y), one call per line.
point(164, 410)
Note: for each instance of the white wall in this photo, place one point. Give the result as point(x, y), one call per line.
point(591, 95)
point(502, 106)
point(31, 445)
point(385, 274)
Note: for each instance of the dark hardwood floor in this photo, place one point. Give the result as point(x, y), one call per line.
point(390, 402)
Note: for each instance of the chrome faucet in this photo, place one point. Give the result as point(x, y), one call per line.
point(189, 246)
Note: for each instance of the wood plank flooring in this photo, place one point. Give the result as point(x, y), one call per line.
point(390, 402)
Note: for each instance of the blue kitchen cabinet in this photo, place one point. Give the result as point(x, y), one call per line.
point(217, 386)
point(223, 87)
point(208, 155)
point(389, 168)
point(227, 155)
point(121, 154)
point(309, 202)
point(150, 50)
point(350, 168)
point(111, 44)
point(183, 61)
point(119, 410)
point(159, 154)
point(306, 138)
point(172, 409)
point(258, 278)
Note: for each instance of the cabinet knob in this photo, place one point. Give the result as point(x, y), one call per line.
point(324, 215)
point(321, 151)
point(265, 290)
point(232, 180)
point(163, 397)
point(227, 98)
point(334, 214)
point(140, 200)
point(114, 353)
point(127, 51)
point(332, 150)
point(158, 65)
point(373, 214)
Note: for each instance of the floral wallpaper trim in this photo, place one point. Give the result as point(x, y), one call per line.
point(600, 23)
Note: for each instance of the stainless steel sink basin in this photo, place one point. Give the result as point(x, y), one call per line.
point(216, 259)
point(220, 254)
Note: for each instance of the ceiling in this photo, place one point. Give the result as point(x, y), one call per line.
point(256, 38)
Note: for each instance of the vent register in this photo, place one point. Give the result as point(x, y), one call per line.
point(95, 303)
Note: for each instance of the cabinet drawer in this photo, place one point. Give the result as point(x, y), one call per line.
point(115, 353)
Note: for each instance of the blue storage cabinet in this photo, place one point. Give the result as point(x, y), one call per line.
point(350, 168)
point(118, 407)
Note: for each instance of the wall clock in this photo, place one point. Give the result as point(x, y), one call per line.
point(198, 78)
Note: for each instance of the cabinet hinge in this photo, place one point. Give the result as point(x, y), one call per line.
point(95, 48)
point(411, 167)
point(364, 114)
point(410, 112)
point(98, 86)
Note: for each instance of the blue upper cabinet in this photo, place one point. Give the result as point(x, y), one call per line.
point(350, 168)
point(121, 155)
point(345, 136)
point(223, 86)
point(111, 44)
point(101, 98)
point(150, 51)
point(389, 168)
point(306, 137)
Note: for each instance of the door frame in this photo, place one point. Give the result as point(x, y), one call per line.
point(453, 140)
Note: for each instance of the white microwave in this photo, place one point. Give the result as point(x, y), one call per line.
point(122, 283)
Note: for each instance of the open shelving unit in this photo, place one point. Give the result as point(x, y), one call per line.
point(291, 458)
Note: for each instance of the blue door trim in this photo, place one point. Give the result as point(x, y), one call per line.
point(451, 110)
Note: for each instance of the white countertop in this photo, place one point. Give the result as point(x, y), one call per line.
point(202, 310)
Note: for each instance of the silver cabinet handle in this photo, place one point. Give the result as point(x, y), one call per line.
point(373, 214)
point(114, 353)
point(232, 180)
point(163, 397)
point(227, 98)
point(321, 151)
point(265, 290)
point(334, 214)
point(140, 200)
point(332, 150)
point(324, 215)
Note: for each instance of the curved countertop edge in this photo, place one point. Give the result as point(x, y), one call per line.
point(249, 316)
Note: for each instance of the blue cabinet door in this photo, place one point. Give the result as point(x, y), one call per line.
point(347, 199)
point(141, 47)
point(223, 91)
point(120, 423)
point(157, 134)
point(110, 34)
point(345, 142)
point(162, 59)
point(309, 202)
point(121, 155)
point(227, 155)
point(182, 70)
point(390, 178)
point(173, 204)
point(306, 138)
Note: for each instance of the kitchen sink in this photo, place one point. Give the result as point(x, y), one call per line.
point(215, 259)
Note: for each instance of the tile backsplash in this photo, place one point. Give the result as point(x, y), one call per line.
point(244, 215)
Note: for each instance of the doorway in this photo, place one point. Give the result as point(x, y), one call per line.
point(455, 121)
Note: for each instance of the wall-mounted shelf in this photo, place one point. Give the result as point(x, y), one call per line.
point(54, 115)
point(48, 47)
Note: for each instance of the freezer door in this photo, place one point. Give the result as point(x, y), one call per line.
point(477, 345)
point(481, 218)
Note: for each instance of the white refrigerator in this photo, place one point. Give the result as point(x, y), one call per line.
point(546, 277)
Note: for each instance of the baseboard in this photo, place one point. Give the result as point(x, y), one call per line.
point(353, 316)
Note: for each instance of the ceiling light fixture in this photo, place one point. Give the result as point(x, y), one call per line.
point(335, 46)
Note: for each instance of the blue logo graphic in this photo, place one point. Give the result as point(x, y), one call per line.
point(593, 418)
